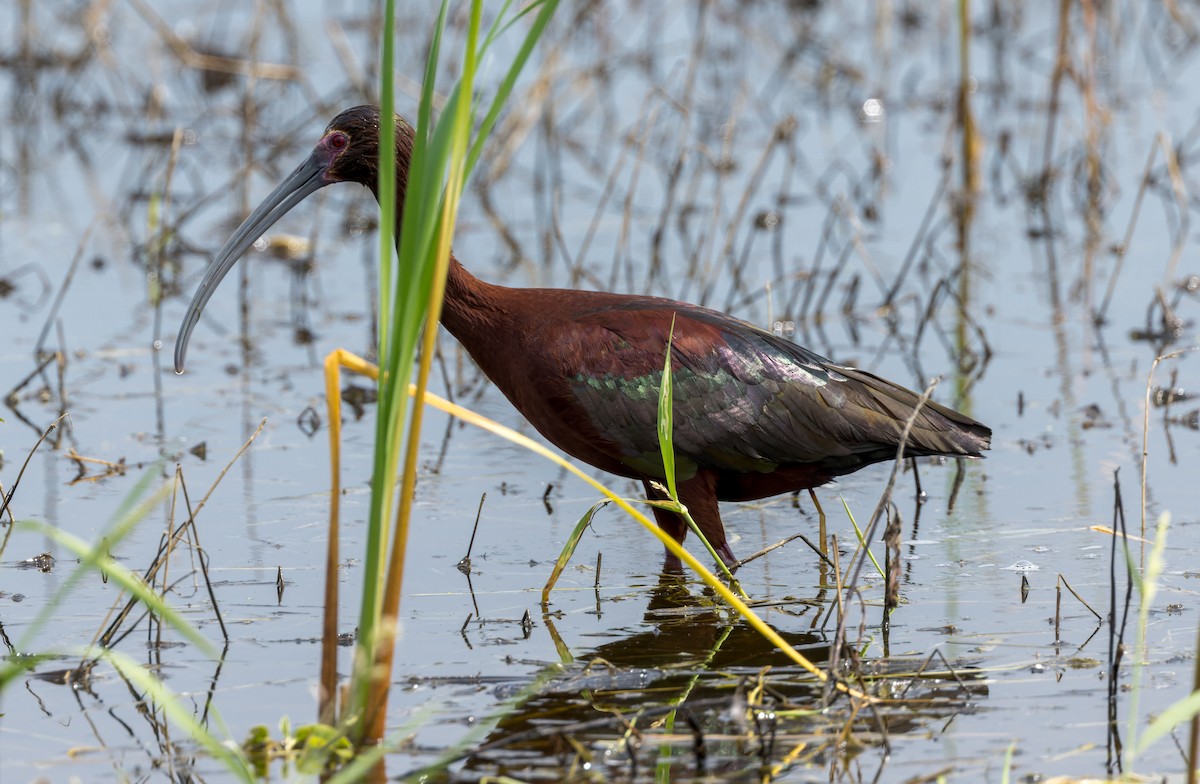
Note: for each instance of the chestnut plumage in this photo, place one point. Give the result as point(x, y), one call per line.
point(755, 415)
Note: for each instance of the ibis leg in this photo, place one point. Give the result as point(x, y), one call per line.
point(699, 495)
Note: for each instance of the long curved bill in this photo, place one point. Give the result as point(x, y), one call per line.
point(305, 180)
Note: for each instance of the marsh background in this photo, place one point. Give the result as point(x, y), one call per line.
point(804, 165)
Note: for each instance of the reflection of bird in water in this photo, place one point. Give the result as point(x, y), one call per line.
point(688, 661)
point(755, 415)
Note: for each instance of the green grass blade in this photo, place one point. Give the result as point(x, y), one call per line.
point(179, 714)
point(862, 542)
point(688, 559)
point(545, 12)
point(92, 558)
point(133, 508)
point(376, 535)
point(666, 418)
point(387, 168)
point(569, 549)
point(1147, 587)
point(409, 305)
point(131, 511)
point(1170, 719)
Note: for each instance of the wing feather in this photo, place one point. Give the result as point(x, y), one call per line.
point(745, 400)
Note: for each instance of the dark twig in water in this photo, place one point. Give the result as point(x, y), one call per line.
point(1082, 601)
point(891, 539)
point(1058, 609)
point(108, 638)
point(930, 211)
point(782, 132)
point(195, 529)
point(52, 314)
point(770, 547)
point(698, 747)
point(822, 530)
point(595, 591)
point(766, 737)
point(807, 282)
point(111, 468)
point(839, 594)
point(1116, 632)
point(464, 565)
point(112, 634)
point(869, 533)
point(874, 708)
point(11, 398)
point(1166, 415)
point(4, 507)
point(21, 473)
point(463, 631)
point(212, 488)
point(824, 558)
point(212, 684)
point(1163, 143)
point(853, 244)
point(116, 631)
point(960, 474)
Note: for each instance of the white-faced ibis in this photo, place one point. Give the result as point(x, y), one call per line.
point(755, 415)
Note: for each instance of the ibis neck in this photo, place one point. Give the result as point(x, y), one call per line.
point(473, 309)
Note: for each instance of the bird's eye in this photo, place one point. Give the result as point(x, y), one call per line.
point(338, 141)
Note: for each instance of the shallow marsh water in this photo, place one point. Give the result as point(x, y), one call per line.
point(798, 145)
